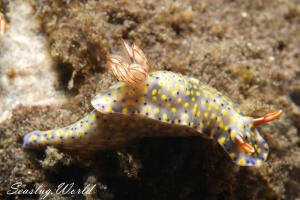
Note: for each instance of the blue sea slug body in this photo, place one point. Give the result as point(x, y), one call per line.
point(160, 103)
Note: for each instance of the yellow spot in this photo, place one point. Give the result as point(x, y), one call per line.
point(258, 150)
point(197, 94)
point(32, 138)
point(222, 140)
point(124, 111)
point(242, 162)
point(185, 117)
point(59, 132)
point(251, 126)
point(232, 155)
point(206, 115)
point(231, 120)
point(238, 110)
point(188, 93)
point(159, 91)
point(176, 121)
point(179, 100)
point(221, 125)
point(218, 119)
point(226, 128)
point(186, 105)
point(211, 104)
point(109, 109)
point(49, 135)
point(177, 86)
point(118, 97)
point(92, 117)
point(165, 117)
point(161, 83)
point(156, 110)
point(170, 87)
point(43, 141)
point(195, 108)
point(193, 99)
point(80, 133)
point(183, 87)
point(240, 127)
point(163, 97)
point(217, 107)
point(150, 79)
point(198, 114)
point(154, 98)
point(131, 92)
point(192, 124)
point(68, 133)
point(86, 125)
point(147, 109)
point(265, 156)
point(154, 92)
point(213, 116)
point(173, 110)
point(168, 105)
point(201, 126)
point(123, 90)
point(248, 134)
point(195, 86)
point(232, 134)
point(259, 162)
point(192, 92)
point(209, 109)
point(174, 94)
point(203, 103)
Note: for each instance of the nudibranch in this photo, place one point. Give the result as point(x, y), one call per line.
point(160, 103)
point(4, 18)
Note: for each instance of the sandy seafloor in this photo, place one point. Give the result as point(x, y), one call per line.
point(53, 61)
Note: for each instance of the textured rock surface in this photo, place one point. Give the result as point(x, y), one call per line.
point(247, 49)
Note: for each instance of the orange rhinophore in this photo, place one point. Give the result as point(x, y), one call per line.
point(267, 118)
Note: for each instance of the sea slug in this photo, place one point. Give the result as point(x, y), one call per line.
point(159, 103)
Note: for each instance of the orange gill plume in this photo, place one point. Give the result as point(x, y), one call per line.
point(134, 73)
